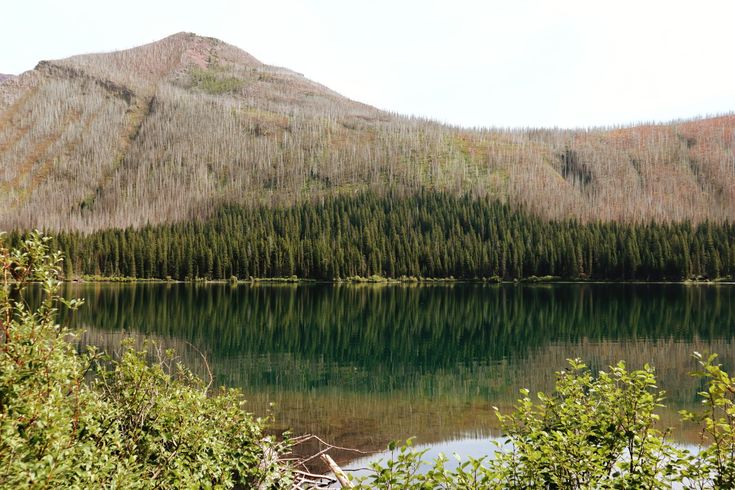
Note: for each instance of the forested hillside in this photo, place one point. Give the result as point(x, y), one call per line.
point(173, 130)
point(425, 235)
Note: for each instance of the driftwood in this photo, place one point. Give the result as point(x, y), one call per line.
point(305, 479)
point(338, 473)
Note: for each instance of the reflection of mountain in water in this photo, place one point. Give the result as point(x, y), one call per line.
point(362, 365)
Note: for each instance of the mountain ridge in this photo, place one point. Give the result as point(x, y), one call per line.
point(171, 130)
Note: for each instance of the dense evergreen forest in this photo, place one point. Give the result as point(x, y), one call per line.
point(430, 234)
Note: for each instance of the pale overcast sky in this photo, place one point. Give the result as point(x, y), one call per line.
point(567, 63)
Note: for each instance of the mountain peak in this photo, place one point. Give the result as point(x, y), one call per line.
point(203, 50)
point(142, 67)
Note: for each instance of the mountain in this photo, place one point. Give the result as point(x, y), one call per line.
point(172, 130)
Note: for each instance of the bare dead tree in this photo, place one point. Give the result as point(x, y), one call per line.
point(171, 130)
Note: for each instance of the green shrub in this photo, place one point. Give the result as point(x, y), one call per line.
point(714, 466)
point(593, 432)
point(596, 431)
point(135, 425)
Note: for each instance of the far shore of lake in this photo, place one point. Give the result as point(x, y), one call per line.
point(380, 280)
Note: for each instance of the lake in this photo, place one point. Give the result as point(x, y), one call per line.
point(360, 365)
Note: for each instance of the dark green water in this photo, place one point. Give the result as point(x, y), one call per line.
point(361, 365)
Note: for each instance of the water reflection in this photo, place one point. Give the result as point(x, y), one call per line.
point(361, 365)
point(455, 450)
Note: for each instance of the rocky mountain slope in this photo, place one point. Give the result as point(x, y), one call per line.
point(171, 130)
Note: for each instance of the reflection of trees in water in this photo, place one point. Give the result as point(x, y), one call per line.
point(425, 328)
point(384, 362)
point(445, 404)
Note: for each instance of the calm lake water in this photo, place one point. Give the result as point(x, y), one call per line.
point(362, 365)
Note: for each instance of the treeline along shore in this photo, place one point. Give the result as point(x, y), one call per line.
point(425, 235)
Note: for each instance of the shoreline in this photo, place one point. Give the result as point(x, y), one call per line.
point(391, 281)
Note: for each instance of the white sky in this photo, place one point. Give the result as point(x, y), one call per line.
point(566, 63)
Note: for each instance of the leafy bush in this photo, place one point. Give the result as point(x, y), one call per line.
point(134, 424)
point(714, 466)
point(594, 432)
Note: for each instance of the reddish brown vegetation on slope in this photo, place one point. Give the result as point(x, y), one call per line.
point(172, 129)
